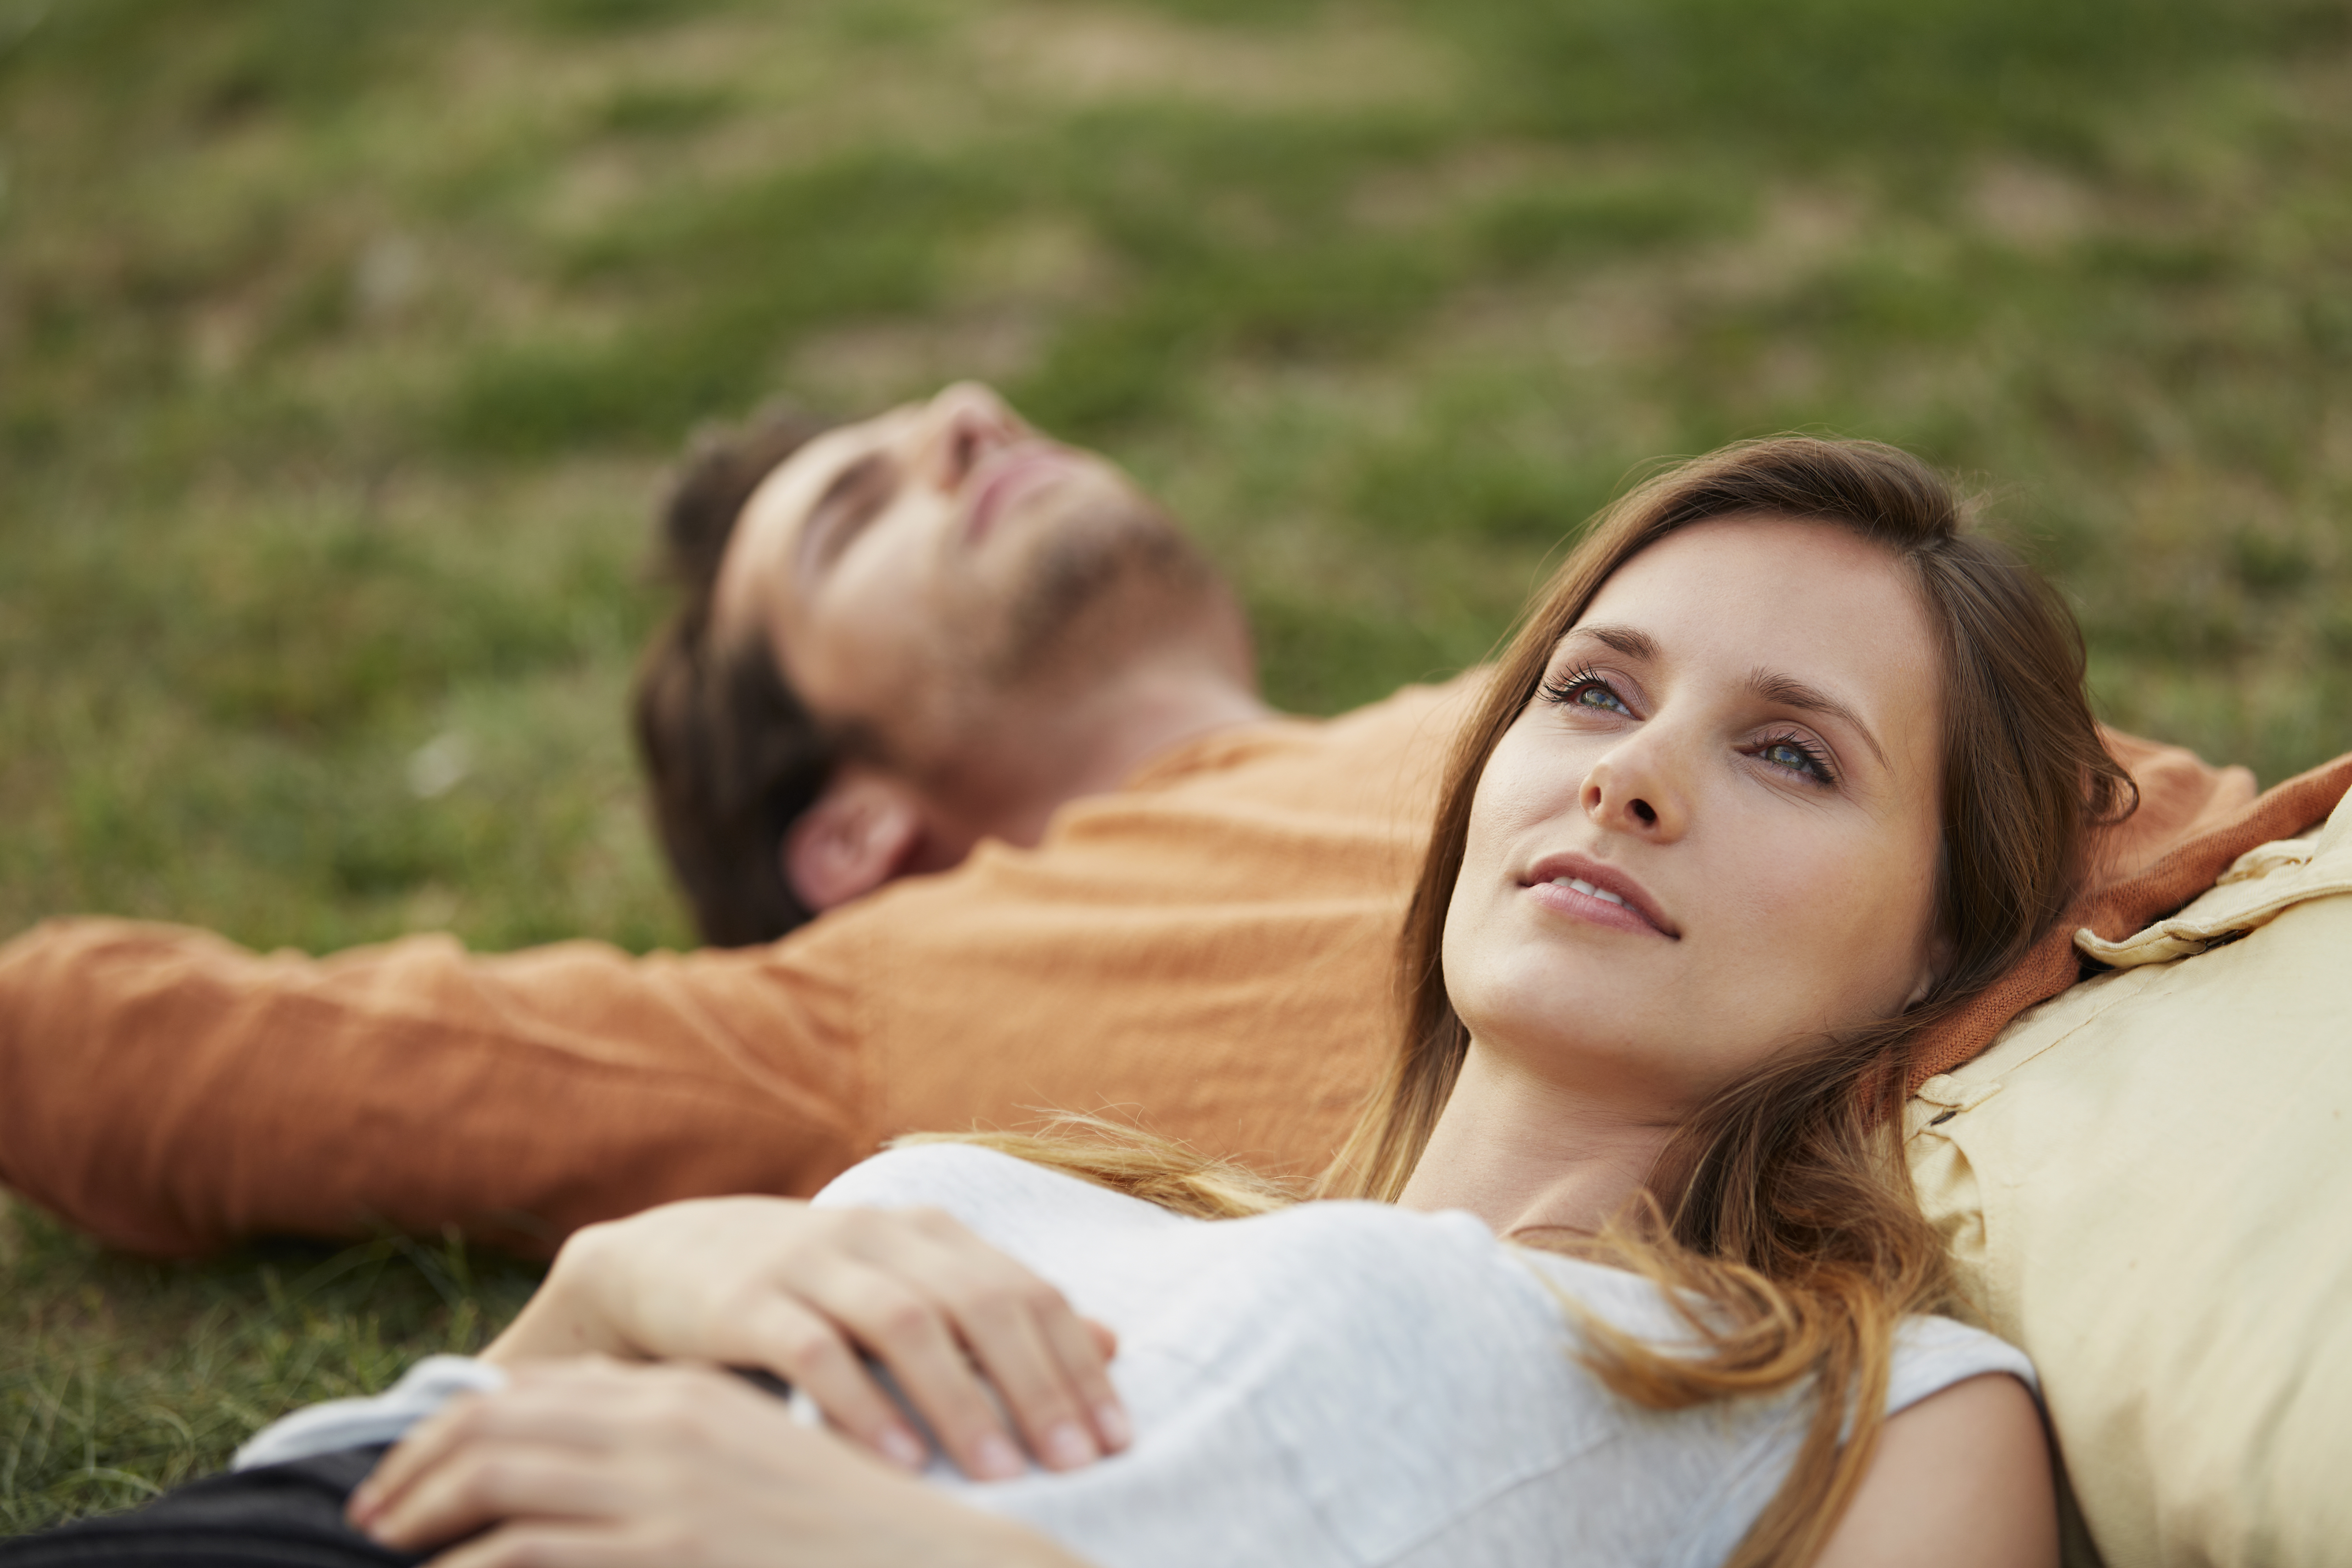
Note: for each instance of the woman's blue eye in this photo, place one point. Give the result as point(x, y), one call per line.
point(1797, 758)
point(1593, 694)
point(1582, 688)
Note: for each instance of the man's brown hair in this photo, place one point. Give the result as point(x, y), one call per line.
point(732, 754)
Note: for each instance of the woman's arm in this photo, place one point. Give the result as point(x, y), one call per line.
point(591, 1464)
point(1961, 1480)
point(806, 1292)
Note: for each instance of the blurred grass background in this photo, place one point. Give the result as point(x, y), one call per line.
point(342, 345)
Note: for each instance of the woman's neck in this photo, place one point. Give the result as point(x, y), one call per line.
point(1524, 1154)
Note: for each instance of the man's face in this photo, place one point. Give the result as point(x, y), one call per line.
point(936, 578)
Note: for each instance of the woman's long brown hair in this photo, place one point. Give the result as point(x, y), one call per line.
point(1782, 1206)
point(1784, 1203)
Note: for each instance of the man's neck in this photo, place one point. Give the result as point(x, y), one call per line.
point(1151, 710)
point(1526, 1155)
point(1092, 743)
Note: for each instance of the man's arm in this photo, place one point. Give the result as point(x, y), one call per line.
point(170, 1090)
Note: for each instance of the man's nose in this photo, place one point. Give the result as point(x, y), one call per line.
point(967, 422)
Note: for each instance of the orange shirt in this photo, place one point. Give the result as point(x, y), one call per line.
point(1209, 950)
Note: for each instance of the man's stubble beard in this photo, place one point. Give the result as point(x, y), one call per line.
point(1110, 587)
point(1113, 582)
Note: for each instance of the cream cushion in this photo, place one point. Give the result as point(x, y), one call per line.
point(2147, 1182)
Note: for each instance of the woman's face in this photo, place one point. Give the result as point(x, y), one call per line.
point(1715, 831)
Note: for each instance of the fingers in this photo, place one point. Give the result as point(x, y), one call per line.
point(585, 1464)
point(480, 1459)
point(802, 1346)
point(1039, 1355)
point(477, 1487)
point(588, 1463)
point(915, 1337)
point(1051, 1365)
point(804, 1293)
point(428, 1443)
point(931, 1301)
point(1079, 1355)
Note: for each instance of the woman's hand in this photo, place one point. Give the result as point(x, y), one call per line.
point(771, 1282)
point(593, 1464)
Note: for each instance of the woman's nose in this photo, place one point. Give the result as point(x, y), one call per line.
point(966, 422)
point(1637, 789)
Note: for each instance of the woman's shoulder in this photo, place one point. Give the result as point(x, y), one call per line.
point(1932, 1354)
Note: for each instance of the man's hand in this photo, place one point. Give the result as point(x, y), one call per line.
point(593, 1464)
point(771, 1282)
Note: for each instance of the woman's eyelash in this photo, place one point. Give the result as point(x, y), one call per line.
point(1813, 760)
point(1569, 685)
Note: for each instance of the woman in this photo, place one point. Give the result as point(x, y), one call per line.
point(1783, 767)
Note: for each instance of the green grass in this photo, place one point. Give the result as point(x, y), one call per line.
point(120, 1378)
point(341, 346)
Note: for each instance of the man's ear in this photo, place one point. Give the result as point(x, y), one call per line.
point(859, 834)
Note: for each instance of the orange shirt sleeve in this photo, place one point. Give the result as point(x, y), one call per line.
point(1208, 947)
point(170, 1090)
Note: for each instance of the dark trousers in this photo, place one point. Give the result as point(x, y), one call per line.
point(280, 1516)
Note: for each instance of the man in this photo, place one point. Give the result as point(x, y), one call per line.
point(901, 639)
point(926, 629)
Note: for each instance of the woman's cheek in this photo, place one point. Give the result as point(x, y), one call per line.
point(1466, 956)
point(1855, 925)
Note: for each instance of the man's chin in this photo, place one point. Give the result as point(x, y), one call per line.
point(1113, 575)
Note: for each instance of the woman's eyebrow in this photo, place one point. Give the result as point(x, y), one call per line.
point(1624, 640)
point(1787, 691)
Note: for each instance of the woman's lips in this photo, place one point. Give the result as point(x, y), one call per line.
point(1587, 890)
